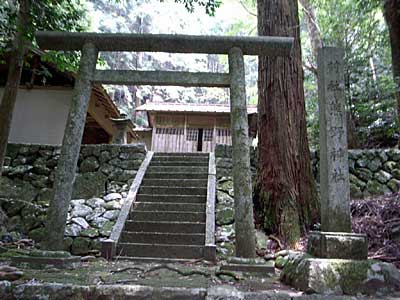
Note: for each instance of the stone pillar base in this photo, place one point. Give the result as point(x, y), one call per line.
point(108, 249)
point(338, 245)
point(42, 259)
point(341, 276)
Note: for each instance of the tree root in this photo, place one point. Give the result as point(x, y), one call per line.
point(180, 272)
point(127, 269)
point(273, 237)
point(125, 281)
point(227, 273)
point(144, 272)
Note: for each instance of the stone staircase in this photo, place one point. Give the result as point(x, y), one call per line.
point(168, 218)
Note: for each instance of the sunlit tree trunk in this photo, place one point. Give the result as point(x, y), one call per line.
point(287, 188)
point(392, 16)
point(313, 30)
point(14, 76)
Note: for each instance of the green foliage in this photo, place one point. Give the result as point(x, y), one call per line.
point(54, 15)
point(8, 14)
point(141, 121)
point(358, 27)
point(209, 5)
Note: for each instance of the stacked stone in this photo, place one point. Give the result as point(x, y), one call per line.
point(105, 174)
point(225, 221)
point(91, 220)
point(225, 218)
point(372, 171)
point(223, 156)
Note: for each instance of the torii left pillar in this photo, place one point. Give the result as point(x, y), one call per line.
point(66, 168)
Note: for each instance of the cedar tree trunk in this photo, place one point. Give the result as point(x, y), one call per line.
point(286, 185)
point(392, 16)
point(14, 76)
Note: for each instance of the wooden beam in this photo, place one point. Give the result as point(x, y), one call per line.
point(152, 120)
point(185, 135)
point(99, 113)
point(162, 78)
point(176, 43)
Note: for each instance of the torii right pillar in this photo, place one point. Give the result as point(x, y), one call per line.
point(242, 187)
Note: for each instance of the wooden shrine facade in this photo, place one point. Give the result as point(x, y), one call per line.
point(191, 128)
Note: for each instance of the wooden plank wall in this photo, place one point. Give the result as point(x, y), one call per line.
point(179, 133)
point(223, 136)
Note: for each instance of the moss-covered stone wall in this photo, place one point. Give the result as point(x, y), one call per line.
point(372, 171)
point(104, 175)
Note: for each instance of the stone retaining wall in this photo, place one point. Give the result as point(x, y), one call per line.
point(372, 172)
point(223, 160)
point(104, 175)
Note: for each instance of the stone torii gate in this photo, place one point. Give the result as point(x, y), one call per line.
point(91, 43)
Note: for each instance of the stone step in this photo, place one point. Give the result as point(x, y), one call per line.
point(176, 169)
point(175, 175)
point(158, 260)
point(202, 191)
point(168, 216)
point(249, 268)
point(162, 238)
point(175, 182)
point(199, 199)
point(181, 163)
point(171, 227)
point(161, 206)
point(181, 158)
point(160, 250)
point(189, 154)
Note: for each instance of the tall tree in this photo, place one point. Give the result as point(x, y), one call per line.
point(287, 189)
point(392, 17)
point(313, 30)
point(14, 75)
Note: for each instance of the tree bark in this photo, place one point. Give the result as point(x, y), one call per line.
point(14, 76)
point(286, 185)
point(392, 17)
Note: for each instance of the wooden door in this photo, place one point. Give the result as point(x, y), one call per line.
point(208, 140)
point(191, 141)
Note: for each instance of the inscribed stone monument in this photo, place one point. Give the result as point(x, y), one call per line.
point(335, 240)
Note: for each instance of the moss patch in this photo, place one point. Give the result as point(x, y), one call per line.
point(352, 275)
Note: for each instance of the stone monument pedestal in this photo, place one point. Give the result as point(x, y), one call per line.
point(340, 276)
point(338, 245)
